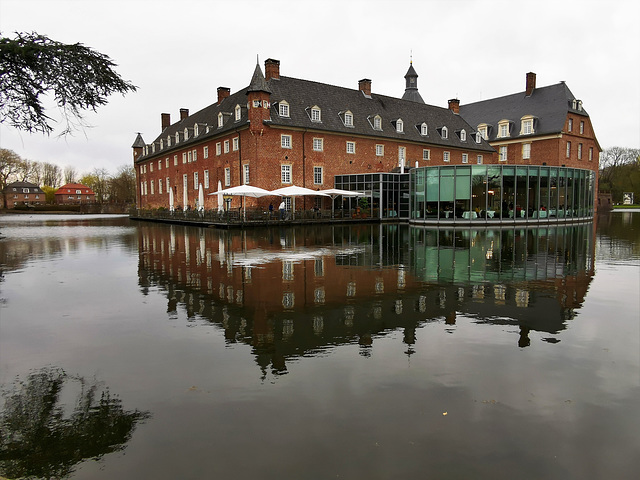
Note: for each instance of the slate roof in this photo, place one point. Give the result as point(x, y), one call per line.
point(72, 187)
point(33, 188)
point(302, 95)
point(548, 105)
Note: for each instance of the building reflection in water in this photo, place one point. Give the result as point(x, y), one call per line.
point(299, 291)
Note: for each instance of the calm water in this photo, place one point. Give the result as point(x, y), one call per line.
point(135, 350)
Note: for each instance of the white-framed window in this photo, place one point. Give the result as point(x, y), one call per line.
point(257, 103)
point(579, 151)
point(184, 157)
point(245, 174)
point(379, 150)
point(465, 158)
point(195, 155)
point(568, 149)
point(186, 133)
point(503, 153)
point(151, 166)
point(177, 137)
point(445, 132)
point(446, 157)
point(424, 130)
point(175, 160)
point(236, 144)
point(503, 129)
point(146, 192)
point(153, 147)
point(285, 173)
point(166, 162)
point(159, 164)
point(168, 140)
point(220, 120)
point(463, 135)
point(581, 128)
point(402, 155)
point(351, 147)
point(195, 130)
point(226, 146)
point(526, 151)
point(285, 141)
point(205, 152)
point(185, 184)
point(195, 180)
point(283, 108)
point(399, 126)
point(316, 114)
point(317, 176)
point(238, 113)
point(426, 154)
point(479, 159)
point(161, 144)
point(227, 176)
point(318, 144)
point(189, 156)
point(527, 126)
point(478, 137)
point(348, 119)
point(218, 148)
point(152, 189)
point(483, 130)
point(206, 179)
point(590, 154)
point(377, 122)
point(570, 124)
point(168, 183)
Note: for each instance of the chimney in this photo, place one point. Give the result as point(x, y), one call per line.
point(166, 120)
point(531, 83)
point(272, 69)
point(364, 86)
point(454, 106)
point(184, 113)
point(223, 92)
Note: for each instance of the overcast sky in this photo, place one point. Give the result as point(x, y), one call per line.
point(178, 53)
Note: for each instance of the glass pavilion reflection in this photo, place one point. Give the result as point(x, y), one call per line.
point(299, 291)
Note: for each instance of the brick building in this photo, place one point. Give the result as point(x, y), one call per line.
point(74, 194)
point(20, 193)
point(280, 131)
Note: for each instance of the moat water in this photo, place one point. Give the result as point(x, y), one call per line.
point(136, 350)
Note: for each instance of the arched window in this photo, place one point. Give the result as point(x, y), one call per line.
point(399, 126)
point(424, 130)
point(445, 132)
point(220, 120)
point(238, 113)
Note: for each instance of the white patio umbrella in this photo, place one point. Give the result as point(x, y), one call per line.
point(171, 208)
point(244, 191)
point(336, 192)
point(295, 191)
point(220, 198)
point(200, 198)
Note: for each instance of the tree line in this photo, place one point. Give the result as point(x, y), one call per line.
point(620, 172)
point(109, 188)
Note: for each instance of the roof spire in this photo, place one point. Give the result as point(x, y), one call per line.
point(411, 89)
point(258, 82)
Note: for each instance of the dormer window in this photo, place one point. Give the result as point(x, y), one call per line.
point(478, 137)
point(153, 148)
point(283, 109)
point(168, 140)
point(196, 132)
point(186, 133)
point(444, 132)
point(348, 119)
point(161, 144)
point(463, 135)
point(377, 122)
point(483, 130)
point(316, 115)
point(177, 137)
point(238, 113)
point(526, 127)
point(399, 126)
point(503, 128)
point(424, 130)
point(220, 120)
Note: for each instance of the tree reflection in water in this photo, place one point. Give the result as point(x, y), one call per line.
point(42, 437)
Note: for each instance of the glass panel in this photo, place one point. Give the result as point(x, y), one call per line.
point(495, 203)
point(463, 192)
point(521, 193)
point(534, 203)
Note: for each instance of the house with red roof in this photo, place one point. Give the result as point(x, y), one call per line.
point(74, 194)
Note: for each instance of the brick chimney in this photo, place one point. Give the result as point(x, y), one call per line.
point(531, 83)
point(454, 106)
point(166, 120)
point(272, 69)
point(184, 113)
point(364, 86)
point(223, 92)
